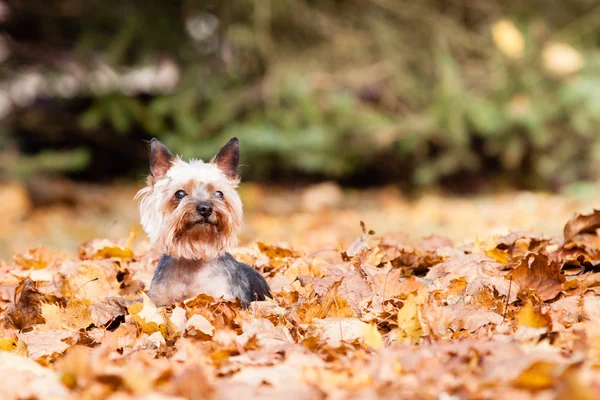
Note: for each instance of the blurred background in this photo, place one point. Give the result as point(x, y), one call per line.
point(452, 117)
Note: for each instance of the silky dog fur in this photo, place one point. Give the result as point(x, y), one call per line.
point(194, 213)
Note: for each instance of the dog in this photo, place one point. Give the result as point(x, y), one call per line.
point(193, 212)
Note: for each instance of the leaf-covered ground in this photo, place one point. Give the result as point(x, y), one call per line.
point(515, 316)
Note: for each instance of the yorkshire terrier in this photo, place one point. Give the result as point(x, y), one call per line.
point(194, 213)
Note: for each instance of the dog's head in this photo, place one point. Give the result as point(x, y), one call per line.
point(192, 209)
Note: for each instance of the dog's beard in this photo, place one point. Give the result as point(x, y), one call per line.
point(194, 237)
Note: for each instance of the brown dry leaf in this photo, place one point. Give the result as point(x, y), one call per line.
point(329, 305)
point(537, 272)
point(466, 325)
point(273, 251)
point(582, 223)
point(415, 262)
point(26, 310)
point(108, 310)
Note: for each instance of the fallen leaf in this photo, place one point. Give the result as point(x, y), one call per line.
point(539, 375)
point(108, 310)
point(273, 251)
point(198, 324)
point(371, 337)
point(582, 223)
point(76, 315)
point(537, 272)
point(334, 331)
point(409, 324)
point(22, 378)
point(498, 255)
point(102, 249)
point(26, 310)
point(531, 316)
point(47, 344)
point(149, 318)
point(34, 259)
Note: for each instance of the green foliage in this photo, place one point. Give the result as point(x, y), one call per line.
point(50, 162)
point(332, 88)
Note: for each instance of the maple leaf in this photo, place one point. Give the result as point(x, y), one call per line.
point(26, 309)
point(148, 317)
point(76, 315)
point(273, 251)
point(409, 324)
point(47, 344)
point(264, 332)
point(34, 259)
point(531, 316)
point(329, 305)
point(108, 310)
point(372, 337)
point(198, 324)
point(101, 249)
point(537, 272)
point(582, 223)
point(88, 281)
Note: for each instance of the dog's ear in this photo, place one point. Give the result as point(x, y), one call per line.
point(228, 158)
point(161, 158)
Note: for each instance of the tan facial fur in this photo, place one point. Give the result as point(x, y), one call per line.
point(175, 224)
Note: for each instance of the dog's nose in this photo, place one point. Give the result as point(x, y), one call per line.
point(204, 209)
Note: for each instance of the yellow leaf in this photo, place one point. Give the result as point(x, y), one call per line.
point(33, 259)
point(531, 316)
point(8, 344)
point(508, 39)
point(76, 315)
point(149, 318)
point(273, 251)
point(116, 251)
point(498, 255)
point(538, 376)
point(372, 338)
point(409, 325)
point(88, 282)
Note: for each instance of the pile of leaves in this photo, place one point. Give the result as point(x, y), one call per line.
point(516, 315)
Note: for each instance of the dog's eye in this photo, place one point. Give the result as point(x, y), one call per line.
point(218, 194)
point(180, 194)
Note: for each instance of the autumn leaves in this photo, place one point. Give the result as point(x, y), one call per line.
point(514, 315)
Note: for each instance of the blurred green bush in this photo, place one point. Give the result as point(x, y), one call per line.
point(377, 90)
